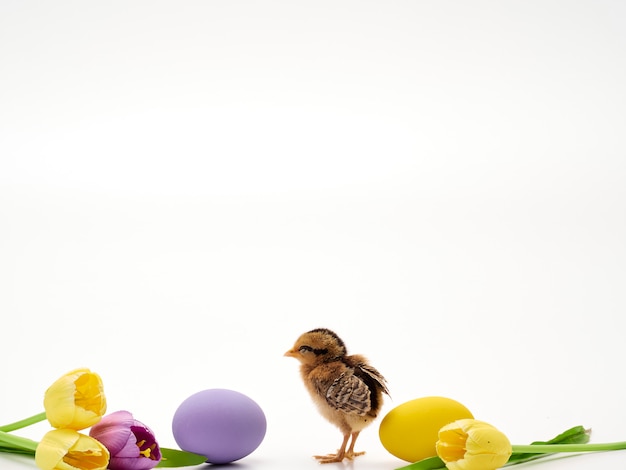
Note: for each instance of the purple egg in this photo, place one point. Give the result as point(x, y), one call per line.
point(222, 424)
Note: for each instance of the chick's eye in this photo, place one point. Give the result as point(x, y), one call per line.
point(305, 349)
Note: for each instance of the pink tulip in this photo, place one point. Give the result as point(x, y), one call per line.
point(132, 444)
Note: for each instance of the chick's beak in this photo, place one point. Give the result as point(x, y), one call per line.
point(290, 353)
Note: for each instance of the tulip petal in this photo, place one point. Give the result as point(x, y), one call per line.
point(451, 444)
point(114, 431)
point(59, 403)
point(131, 464)
point(53, 446)
point(487, 440)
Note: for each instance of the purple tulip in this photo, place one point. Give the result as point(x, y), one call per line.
point(131, 443)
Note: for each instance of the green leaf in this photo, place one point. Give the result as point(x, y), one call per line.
point(575, 435)
point(430, 463)
point(179, 458)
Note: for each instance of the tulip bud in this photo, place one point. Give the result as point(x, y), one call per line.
point(67, 449)
point(131, 443)
point(76, 400)
point(469, 444)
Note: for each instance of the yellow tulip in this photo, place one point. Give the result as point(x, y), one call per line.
point(67, 449)
point(469, 444)
point(76, 400)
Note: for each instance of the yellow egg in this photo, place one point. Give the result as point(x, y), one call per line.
point(409, 431)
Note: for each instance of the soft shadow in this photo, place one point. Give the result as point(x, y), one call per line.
point(233, 465)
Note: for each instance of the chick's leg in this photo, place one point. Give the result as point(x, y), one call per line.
point(338, 457)
point(350, 454)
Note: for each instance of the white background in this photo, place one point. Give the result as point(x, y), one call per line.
point(185, 187)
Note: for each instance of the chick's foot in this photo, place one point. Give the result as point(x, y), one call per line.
point(351, 455)
point(330, 458)
point(338, 457)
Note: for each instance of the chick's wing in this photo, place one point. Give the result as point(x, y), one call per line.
point(349, 394)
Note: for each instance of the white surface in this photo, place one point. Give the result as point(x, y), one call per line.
point(185, 187)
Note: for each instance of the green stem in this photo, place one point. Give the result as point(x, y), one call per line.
point(19, 443)
point(23, 423)
point(555, 448)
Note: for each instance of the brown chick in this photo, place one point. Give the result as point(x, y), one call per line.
point(346, 389)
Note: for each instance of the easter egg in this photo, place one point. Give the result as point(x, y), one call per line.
point(409, 431)
point(224, 425)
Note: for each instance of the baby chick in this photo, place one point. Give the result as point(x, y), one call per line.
point(346, 389)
